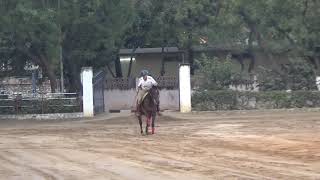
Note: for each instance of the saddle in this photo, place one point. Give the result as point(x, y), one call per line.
point(156, 101)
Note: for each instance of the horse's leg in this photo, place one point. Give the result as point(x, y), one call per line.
point(148, 124)
point(140, 122)
point(153, 122)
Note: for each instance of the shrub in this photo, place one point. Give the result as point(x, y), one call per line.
point(234, 100)
point(296, 75)
point(217, 73)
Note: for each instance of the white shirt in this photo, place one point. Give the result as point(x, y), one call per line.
point(147, 85)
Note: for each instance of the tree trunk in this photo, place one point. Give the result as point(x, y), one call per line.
point(239, 58)
point(130, 64)
point(253, 33)
point(162, 71)
point(118, 68)
point(110, 70)
point(73, 76)
point(44, 63)
point(189, 53)
point(250, 50)
point(315, 61)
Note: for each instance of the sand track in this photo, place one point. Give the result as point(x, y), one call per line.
point(232, 145)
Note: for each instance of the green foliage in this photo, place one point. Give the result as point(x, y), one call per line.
point(217, 73)
point(271, 80)
point(87, 33)
point(91, 32)
point(296, 75)
point(214, 100)
point(234, 100)
point(274, 100)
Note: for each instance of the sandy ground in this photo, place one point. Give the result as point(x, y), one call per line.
point(198, 146)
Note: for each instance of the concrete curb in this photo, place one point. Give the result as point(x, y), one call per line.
point(259, 110)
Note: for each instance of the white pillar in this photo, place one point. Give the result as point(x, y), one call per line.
point(87, 89)
point(318, 82)
point(185, 88)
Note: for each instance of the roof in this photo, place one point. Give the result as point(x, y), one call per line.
point(158, 50)
point(149, 51)
point(218, 48)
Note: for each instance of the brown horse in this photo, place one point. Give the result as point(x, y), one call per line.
point(149, 109)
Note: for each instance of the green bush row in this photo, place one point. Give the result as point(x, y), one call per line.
point(233, 100)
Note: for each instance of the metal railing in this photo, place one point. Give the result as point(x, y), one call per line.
point(165, 82)
point(41, 104)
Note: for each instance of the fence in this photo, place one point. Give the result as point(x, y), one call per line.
point(24, 86)
point(42, 104)
point(165, 82)
point(168, 82)
point(120, 93)
point(98, 92)
point(120, 83)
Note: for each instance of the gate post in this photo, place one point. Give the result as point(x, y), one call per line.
point(87, 91)
point(185, 88)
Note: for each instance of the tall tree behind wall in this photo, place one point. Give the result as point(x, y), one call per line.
point(30, 30)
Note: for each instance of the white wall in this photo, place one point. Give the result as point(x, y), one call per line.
point(119, 99)
point(169, 99)
point(125, 99)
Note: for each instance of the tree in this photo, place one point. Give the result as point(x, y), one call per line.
point(154, 25)
point(193, 20)
point(92, 34)
point(30, 31)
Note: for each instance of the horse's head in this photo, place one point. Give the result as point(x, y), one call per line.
point(149, 104)
point(154, 92)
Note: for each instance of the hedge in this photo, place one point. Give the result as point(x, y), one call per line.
point(234, 100)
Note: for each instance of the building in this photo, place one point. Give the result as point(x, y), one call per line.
point(159, 61)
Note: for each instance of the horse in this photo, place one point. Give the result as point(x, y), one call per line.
point(149, 109)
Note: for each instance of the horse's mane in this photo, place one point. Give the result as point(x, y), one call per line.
point(148, 104)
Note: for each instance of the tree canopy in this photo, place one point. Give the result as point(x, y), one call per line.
point(90, 33)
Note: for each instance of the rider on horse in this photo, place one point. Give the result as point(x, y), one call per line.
point(145, 83)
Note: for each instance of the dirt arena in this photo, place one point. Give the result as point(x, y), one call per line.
point(198, 146)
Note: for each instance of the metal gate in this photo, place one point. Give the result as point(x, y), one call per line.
point(98, 92)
